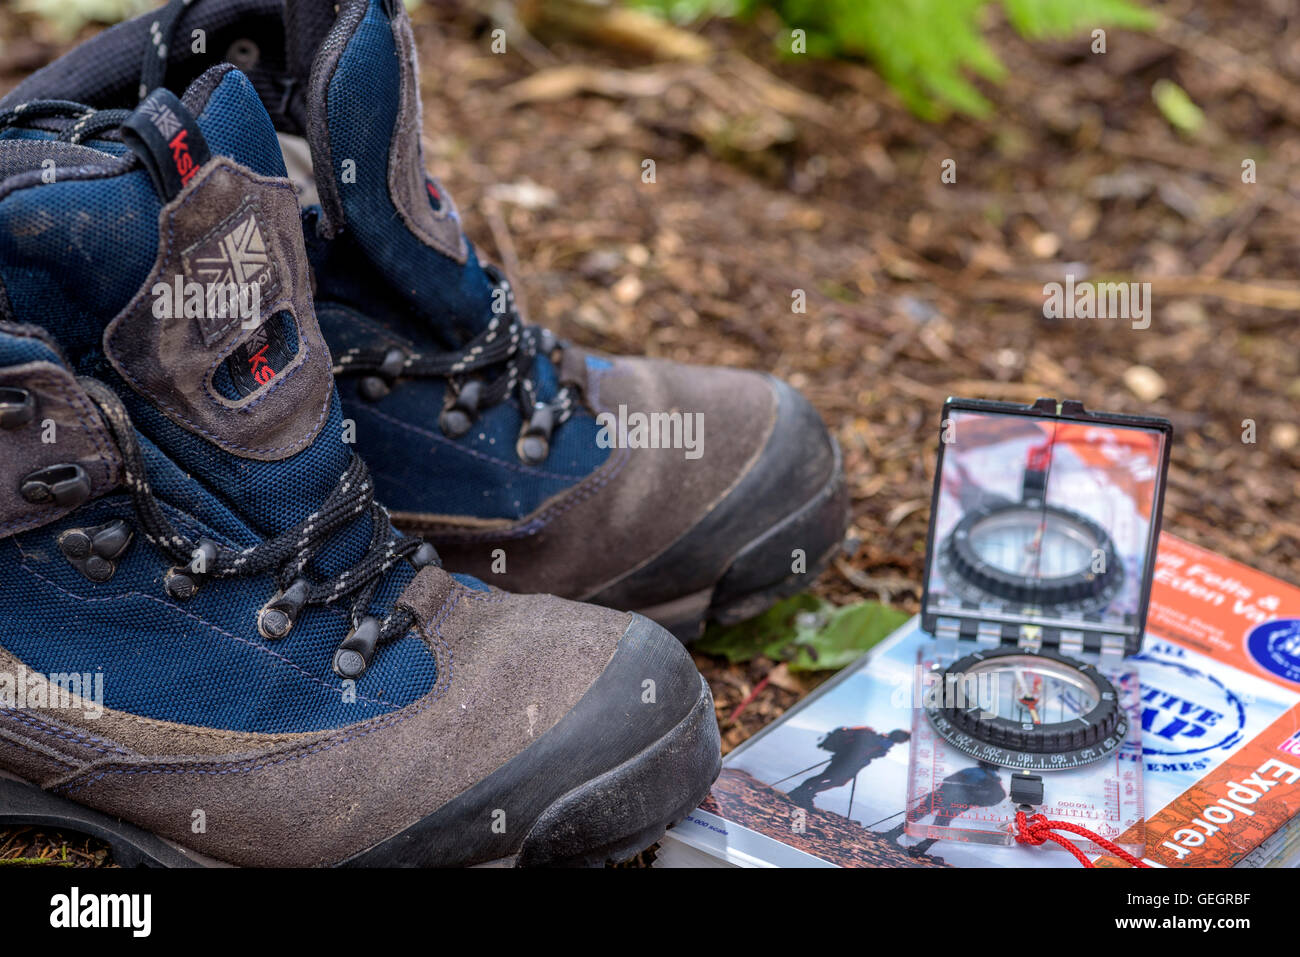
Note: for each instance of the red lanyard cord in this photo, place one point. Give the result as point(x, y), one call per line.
point(1037, 829)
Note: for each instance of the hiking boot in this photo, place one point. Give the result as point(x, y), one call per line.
point(214, 647)
point(528, 461)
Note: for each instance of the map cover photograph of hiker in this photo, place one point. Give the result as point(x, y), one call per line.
point(668, 434)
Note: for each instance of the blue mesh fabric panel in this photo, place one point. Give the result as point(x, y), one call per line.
point(74, 252)
point(233, 129)
point(201, 662)
point(418, 468)
point(360, 129)
point(112, 147)
point(17, 350)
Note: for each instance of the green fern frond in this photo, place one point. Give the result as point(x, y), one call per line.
point(1042, 19)
point(929, 51)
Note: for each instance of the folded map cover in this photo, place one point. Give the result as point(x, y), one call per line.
point(826, 784)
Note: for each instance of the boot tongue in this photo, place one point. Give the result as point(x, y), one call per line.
point(189, 278)
point(223, 340)
point(364, 125)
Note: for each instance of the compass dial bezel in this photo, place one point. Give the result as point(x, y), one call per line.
point(1052, 746)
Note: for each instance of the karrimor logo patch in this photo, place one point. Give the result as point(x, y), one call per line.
point(1275, 647)
point(170, 127)
point(240, 256)
point(236, 253)
point(163, 119)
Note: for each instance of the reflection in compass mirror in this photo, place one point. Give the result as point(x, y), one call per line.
point(1034, 690)
point(1033, 544)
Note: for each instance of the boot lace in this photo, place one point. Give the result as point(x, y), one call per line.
point(88, 123)
point(508, 344)
point(285, 556)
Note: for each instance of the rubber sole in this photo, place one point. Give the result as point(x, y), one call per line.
point(25, 805)
point(628, 808)
point(605, 820)
point(759, 574)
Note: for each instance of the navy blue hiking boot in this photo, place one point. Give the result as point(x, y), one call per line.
point(214, 647)
point(681, 492)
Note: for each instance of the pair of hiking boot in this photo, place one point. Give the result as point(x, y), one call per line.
point(216, 645)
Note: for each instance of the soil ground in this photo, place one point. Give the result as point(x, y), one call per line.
point(776, 175)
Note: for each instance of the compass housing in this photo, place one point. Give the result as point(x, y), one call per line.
point(1096, 729)
point(1039, 562)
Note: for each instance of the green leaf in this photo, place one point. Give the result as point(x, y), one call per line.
point(770, 630)
point(808, 632)
point(1177, 107)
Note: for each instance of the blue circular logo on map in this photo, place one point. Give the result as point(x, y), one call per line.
point(1275, 646)
point(1185, 711)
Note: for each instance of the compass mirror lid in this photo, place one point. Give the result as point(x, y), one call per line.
point(1043, 524)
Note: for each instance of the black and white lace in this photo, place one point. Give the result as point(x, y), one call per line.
point(286, 556)
point(85, 123)
point(507, 344)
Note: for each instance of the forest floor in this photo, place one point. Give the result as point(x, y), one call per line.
point(775, 174)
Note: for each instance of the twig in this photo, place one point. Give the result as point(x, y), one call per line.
point(505, 249)
point(749, 698)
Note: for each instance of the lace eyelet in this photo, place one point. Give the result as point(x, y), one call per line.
point(353, 656)
point(547, 341)
point(425, 555)
point(94, 551)
point(17, 408)
point(66, 485)
point(278, 615)
point(179, 585)
point(375, 387)
point(372, 388)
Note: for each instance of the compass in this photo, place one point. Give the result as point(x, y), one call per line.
point(1030, 553)
point(1030, 710)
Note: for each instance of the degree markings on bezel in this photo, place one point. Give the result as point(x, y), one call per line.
point(962, 727)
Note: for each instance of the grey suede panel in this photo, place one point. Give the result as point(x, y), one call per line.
point(30, 760)
point(638, 503)
point(80, 438)
point(440, 228)
point(172, 361)
point(71, 748)
point(510, 667)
